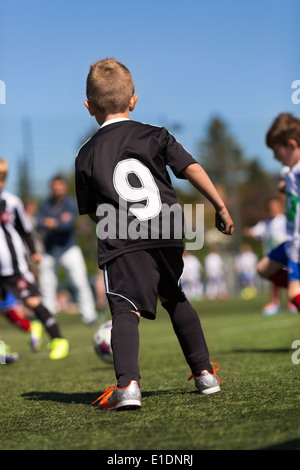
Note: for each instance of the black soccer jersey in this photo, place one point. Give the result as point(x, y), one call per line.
point(121, 174)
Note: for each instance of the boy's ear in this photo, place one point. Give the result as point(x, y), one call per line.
point(292, 143)
point(132, 102)
point(90, 107)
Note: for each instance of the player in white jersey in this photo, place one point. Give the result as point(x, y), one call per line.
point(271, 231)
point(191, 276)
point(15, 277)
point(245, 266)
point(215, 278)
point(282, 265)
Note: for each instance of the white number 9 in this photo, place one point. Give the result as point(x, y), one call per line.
point(147, 191)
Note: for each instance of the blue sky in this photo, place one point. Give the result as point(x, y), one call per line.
point(190, 61)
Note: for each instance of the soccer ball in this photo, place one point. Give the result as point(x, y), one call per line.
point(101, 340)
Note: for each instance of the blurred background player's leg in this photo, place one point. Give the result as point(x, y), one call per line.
point(48, 282)
point(26, 291)
point(58, 345)
point(73, 262)
point(10, 307)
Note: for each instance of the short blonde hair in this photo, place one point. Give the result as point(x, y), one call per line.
point(283, 128)
point(109, 86)
point(3, 166)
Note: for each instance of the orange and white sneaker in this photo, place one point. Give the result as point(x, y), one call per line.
point(207, 383)
point(272, 308)
point(292, 308)
point(115, 398)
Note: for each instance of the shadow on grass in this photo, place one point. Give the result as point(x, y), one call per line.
point(81, 398)
point(288, 445)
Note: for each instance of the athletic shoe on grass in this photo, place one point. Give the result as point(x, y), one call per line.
point(9, 356)
point(273, 308)
point(36, 331)
point(115, 398)
point(207, 383)
point(59, 348)
point(292, 308)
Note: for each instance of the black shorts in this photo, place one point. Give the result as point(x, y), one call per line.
point(135, 280)
point(19, 286)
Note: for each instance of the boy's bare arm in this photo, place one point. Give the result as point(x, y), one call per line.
point(281, 186)
point(201, 181)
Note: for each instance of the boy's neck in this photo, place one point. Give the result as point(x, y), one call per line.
point(101, 118)
point(109, 117)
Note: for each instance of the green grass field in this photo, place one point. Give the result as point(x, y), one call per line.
point(47, 405)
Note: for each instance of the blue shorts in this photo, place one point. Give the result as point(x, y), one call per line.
point(8, 301)
point(279, 255)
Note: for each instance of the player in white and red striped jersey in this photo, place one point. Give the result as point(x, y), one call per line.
point(15, 276)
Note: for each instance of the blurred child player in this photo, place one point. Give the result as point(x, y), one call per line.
point(123, 164)
point(10, 308)
point(15, 277)
point(272, 232)
point(282, 265)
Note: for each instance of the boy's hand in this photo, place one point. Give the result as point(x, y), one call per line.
point(50, 222)
point(66, 217)
point(36, 258)
point(281, 186)
point(224, 222)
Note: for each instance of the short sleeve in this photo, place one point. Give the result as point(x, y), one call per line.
point(174, 154)
point(284, 171)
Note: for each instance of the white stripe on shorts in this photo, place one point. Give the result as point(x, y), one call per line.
point(113, 293)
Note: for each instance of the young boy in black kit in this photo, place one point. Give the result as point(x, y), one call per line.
point(122, 169)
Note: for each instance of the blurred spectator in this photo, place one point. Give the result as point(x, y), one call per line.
point(215, 279)
point(55, 220)
point(191, 277)
point(245, 266)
